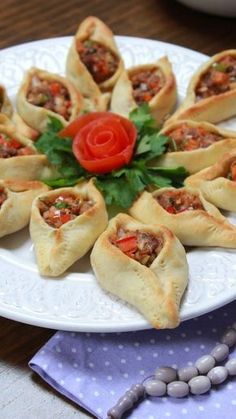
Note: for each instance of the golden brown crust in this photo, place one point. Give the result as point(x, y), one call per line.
point(28, 167)
point(214, 184)
point(196, 160)
point(15, 210)
point(57, 249)
point(156, 291)
point(94, 29)
point(193, 228)
point(212, 109)
point(36, 116)
point(161, 104)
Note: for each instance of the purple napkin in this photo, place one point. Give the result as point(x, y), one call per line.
point(94, 370)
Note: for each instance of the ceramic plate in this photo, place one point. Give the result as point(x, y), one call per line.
point(75, 302)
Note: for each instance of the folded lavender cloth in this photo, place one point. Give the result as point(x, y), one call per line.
point(94, 370)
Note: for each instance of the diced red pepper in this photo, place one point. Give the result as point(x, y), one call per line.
point(127, 244)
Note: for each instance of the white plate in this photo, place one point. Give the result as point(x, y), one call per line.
point(75, 302)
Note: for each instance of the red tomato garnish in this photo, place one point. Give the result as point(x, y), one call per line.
point(55, 88)
point(103, 141)
point(127, 244)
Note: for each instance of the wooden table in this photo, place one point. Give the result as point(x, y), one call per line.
point(23, 394)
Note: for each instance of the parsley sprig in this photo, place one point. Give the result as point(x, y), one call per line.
point(120, 187)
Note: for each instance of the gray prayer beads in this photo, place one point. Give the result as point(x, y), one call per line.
point(205, 363)
point(177, 389)
point(220, 352)
point(186, 373)
point(179, 383)
point(166, 374)
point(229, 337)
point(217, 375)
point(231, 366)
point(199, 385)
point(155, 388)
point(126, 402)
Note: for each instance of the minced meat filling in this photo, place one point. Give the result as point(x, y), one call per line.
point(9, 147)
point(100, 61)
point(143, 247)
point(231, 175)
point(65, 207)
point(219, 78)
point(50, 95)
point(3, 196)
point(146, 84)
point(188, 138)
point(175, 202)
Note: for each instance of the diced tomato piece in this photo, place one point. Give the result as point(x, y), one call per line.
point(219, 78)
point(170, 209)
point(127, 244)
point(14, 143)
point(64, 218)
point(55, 88)
point(191, 144)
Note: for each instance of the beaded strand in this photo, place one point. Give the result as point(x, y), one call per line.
point(181, 382)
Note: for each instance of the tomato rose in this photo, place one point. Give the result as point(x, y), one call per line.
point(103, 142)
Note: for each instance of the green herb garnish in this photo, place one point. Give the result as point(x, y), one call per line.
point(220, 67)
point(61, 205)
point(120, 187)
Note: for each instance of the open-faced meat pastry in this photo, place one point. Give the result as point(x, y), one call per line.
point(94, 62)
point(211, 94)
point(218, 182)
point(144, 265)
point(5, 104)
point(19, 159)
point(146, 83)
point(65, 224)
point(43, 94)
point(195, 145)
point(185, 211)
point(16, 198)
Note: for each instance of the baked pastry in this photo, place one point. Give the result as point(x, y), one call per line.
point(17, 123)
point(185, 211)
point(65, 224)
point(94, 62)
point(16, 198)
point(19, 159)
point(218, 182)
point(195, 145)
point(5, 104)
point(144, 265)
point(211, 94)
point(154, 84)
point(23, 129)
point(43, 94)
